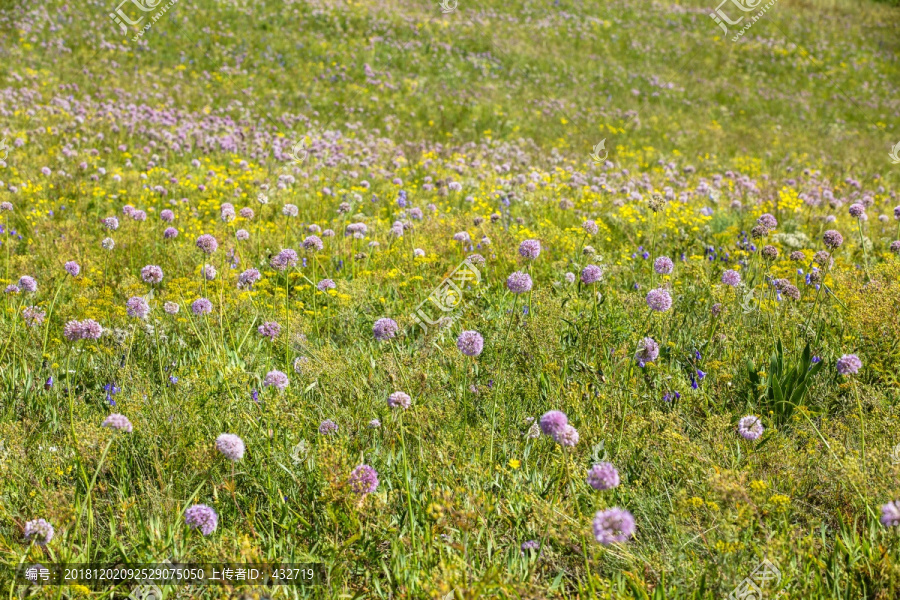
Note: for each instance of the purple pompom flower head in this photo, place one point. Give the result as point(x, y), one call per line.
point(849, 364)
point(647, 351)
point(325, 285)
point(553, 421)
point(152, 274)
point(750, 427)
point(385, 329)
point(27, 284)
point(137, 307)
point(202, 517)
point(170, 233)
point(118, 422)
point(313, 243)
point(73, 268)
point(731, 278)
point(613, 525)
point(363, 480)
point(470, 343)
point(890, 514)
point(171, 308)
point(591, 274)
point(857, 210)
point(248, 278)
point(207, 243)
point(767, 221)
point(659, 300)
point(276, 379)
point(832, 239)
point(201, 306)
point(663, 265)
point(399, 400)
point(40, 531)
point(566, 437)
point(33, 316)
point(284, 259)
point(590, 227)
point(603, 476)
point(270, 329)
point(231, 446)
point(530, 249)
point(327, 427)
point(519, 282)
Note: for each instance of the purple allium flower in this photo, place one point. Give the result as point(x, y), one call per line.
point(530, 249)
point(663, 265)
point(890, 514)
point(857, 210)
point(226, 211)
point(201, 306)
point(167, 216)
point(327, 427)
point(603, 476)
point(567, 436)
point(325, 285)
point(849, 364)
point(171, 308)
point(769, 252)
point(313, 243)
point(832, 239)
point(519, 282)
point(462, 236)
point(731, 277)
point(170, 233)
point(207, 243)
point(276, 379)
point(590, 227)
point(791, 292)
point(72, 330)
point(111, 223)
point(659, 300)
point(289, 210)
point(270, 329)
point(476, 259)
point(137, 307)
point(553, 421)
point(418, 253)
point(247, 213)
point(470, 343)
point(750, 427)
point(895, 247)
point(797, 256)
point(7, 206)
point(716, 309)
point(374, 424)
point(108, 243)
point(648, 350)
point(208, 272)
point(73, 268)
point(202, 517)
point(363, 480)
point(152, 274)
point(530, 545)
point(242, 234)
point(759, 231)
point(399, 400)
point(33, 316)
point(613, 525)
point(248, 278)
point(570, 277)
point(385, 329)
point(27, 284)
point(139, 215)
point(767, 221)
point(118, 422)
point(40, 531)
point(284, 259)
point(231, 446)
point(591, 274)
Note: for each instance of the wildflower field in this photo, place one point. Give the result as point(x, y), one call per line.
point(453, 299)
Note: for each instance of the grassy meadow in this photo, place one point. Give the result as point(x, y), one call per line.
point(520, 299)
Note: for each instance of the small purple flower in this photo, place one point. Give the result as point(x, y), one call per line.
point(530, 249)
point(231, 446)
point(313, 243)
point(519, 282)
point(33, 316)
point(73, 268)
point(530, 545)
point(325, 285)
point(170, 233)
point(647, 351)
point(118, 422)
point(832, 239)
point(40, 531)
point(385, 329)
point(857, 210)
point(27, 284)
point(731, 278)
point(590, 227)
point(603, 476)
point(284, 259)
point(137, 307)
point(767, 221)
point(470, 343)
point(207, 243)
point(202, 517)
point(171, 308)
point(750, 427)
point(327, 427)
point(276, 379)
point(613, 525)
point(152, 274)
point(890, 514)
point(248, 278)
point(567, 436)
point(849, 364)
point(591, 274)
point(553, 421)
point(663, 265)
point(111, 223)
point(363, 480)
point(270, 329)
point(659, 300)
point(201, 306)
point(399, 400)
point(167, 216)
